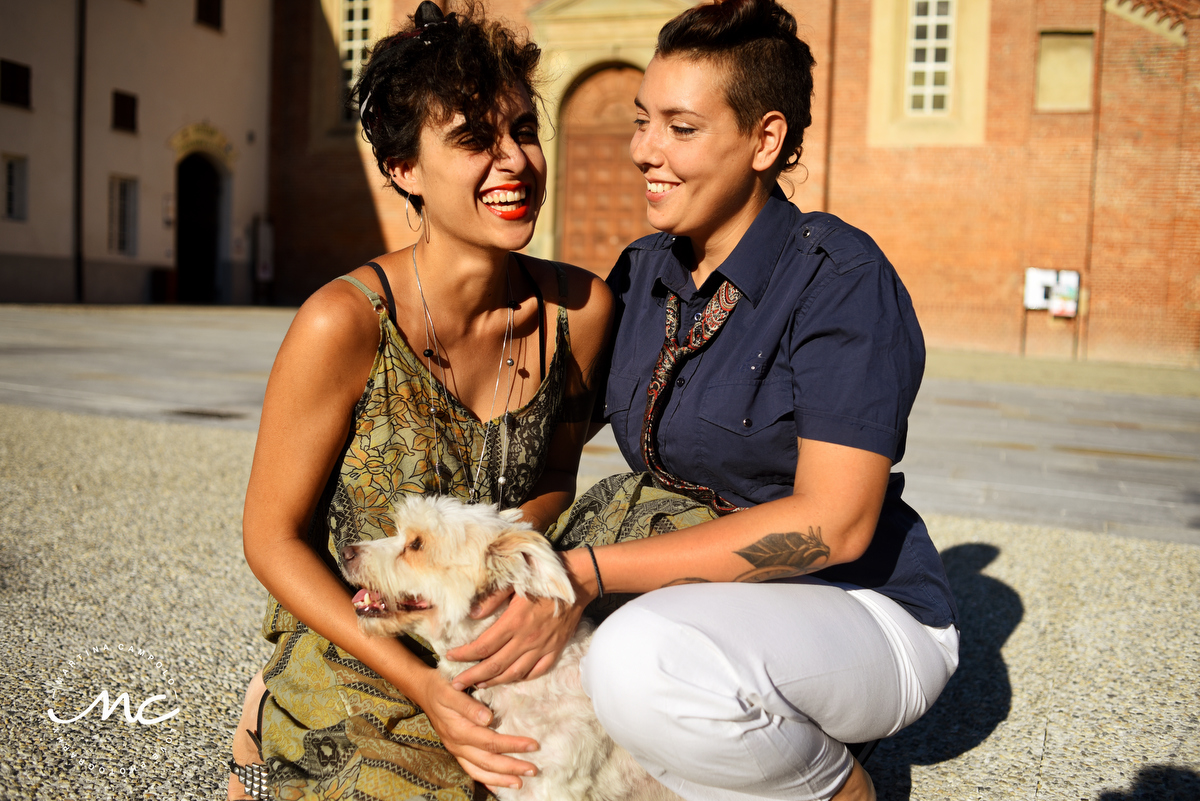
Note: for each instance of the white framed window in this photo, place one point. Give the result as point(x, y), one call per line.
point(16, 188)
point(930, 72)
point(122, 215)
point(354, 43)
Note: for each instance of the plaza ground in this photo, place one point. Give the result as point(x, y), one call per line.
point(1064, 497)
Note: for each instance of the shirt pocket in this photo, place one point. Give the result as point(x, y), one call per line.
point(750, 433)
point(619, 411)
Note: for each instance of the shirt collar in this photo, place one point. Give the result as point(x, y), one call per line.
point(751, 263)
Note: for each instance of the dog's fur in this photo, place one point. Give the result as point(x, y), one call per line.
point(444, 557)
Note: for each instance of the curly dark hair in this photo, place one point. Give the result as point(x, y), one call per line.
point(437, 66)
point(767, 67)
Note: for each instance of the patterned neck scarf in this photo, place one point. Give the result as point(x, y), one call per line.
point(670, 360)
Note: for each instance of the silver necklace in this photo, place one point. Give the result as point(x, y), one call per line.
point(433, 349)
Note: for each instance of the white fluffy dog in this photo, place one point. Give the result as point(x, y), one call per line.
point(423, 581)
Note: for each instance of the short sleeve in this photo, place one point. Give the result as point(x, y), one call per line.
point(856, 352)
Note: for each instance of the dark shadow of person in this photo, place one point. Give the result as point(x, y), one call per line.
point(979, 695)
point(1159, 783)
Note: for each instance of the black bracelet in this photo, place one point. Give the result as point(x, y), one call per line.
point(599, 582)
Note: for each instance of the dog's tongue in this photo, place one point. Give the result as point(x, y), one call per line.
point(365, 600)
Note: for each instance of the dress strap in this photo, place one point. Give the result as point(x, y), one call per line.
point(376, 301)
point(387, 291)
point(537, 292)
point(561, 274)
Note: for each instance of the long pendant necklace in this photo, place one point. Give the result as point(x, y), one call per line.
point(433, 350)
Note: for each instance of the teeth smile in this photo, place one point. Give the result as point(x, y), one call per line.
point(504, 198)
point(657, 188)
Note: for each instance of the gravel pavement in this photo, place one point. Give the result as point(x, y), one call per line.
point(1078, 676)
point(121, 571)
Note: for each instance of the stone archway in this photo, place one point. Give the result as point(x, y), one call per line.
point(601, 198)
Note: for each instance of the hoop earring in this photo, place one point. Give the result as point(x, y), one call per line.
point(542, 202)
point(420, 217)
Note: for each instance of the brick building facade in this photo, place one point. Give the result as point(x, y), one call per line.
point(1054, 134)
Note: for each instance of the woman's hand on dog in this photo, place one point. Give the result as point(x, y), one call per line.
point(462, 723)
point(523, 643)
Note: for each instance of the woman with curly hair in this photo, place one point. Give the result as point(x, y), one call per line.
point(788, 601)
point(453, 367)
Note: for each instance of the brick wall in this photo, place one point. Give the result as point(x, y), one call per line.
point(321, 197)
point(1145, 262)
point(962, 223)
point(1113, 193)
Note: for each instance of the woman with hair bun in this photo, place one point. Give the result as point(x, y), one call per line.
point(453, 367)
point(766, 359)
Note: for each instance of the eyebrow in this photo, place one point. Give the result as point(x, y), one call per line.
point(668, 112)
point(527, 117)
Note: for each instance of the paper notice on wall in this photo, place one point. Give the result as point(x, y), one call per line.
point(1039, 284)
point(1064, 297)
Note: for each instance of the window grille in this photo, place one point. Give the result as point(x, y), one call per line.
point(930, 73)
point(354, 45)
point(122, 215)
point(16, 188)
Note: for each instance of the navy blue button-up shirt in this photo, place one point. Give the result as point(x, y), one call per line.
point(823, 345)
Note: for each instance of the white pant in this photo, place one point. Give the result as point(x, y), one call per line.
point(747, 691)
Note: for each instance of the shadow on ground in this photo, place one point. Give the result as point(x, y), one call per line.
point(1159, 783)
point(979, 695)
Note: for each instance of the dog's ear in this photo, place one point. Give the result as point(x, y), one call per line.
point(512, 515)
point(523, 559)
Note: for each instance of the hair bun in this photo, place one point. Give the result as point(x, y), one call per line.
point(428, 13)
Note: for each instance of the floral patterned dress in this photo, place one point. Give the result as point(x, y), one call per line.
point(332, 728)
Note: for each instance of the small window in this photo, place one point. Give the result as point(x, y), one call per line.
point(355, 38)
point(209, 12)
point(124, 112)
point(930, 57)
point(1064, 72)
point(122, 215)
point(14, 84)
point(16, 188)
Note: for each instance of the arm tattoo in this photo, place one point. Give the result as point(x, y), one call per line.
point(785, 555)
point(777, 556)
point(687, 580)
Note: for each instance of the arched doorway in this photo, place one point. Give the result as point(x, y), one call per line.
point(197, 228)
point(602, 206)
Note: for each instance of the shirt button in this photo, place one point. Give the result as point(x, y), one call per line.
point(679, 382)
point(697, 316)
point(806, 232)
point(747, 422)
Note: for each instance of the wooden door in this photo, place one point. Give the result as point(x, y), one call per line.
point(602, 195)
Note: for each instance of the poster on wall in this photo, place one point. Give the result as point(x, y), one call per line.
point(1064, 297)
point(1055, 290)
